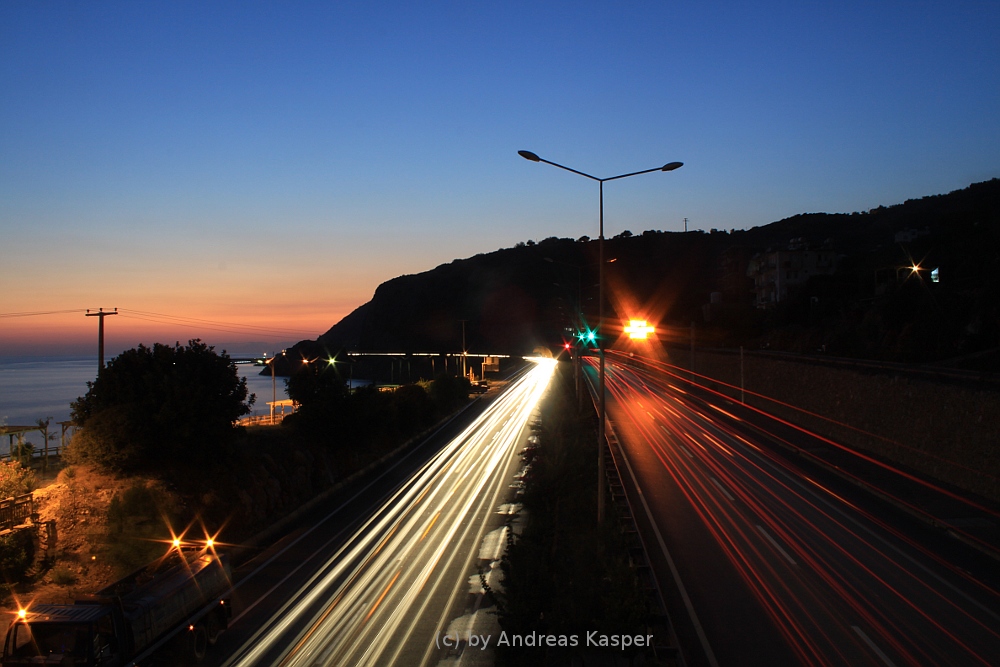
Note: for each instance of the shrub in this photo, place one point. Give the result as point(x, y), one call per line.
point(138, 526)
point(15, 479)
point(449, 392)
point(106, 441)
point(16, 555)
point(62, 576)
point(135, 507)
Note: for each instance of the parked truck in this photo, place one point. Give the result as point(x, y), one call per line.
point(178, 604)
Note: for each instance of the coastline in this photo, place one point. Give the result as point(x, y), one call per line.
point(37, 387)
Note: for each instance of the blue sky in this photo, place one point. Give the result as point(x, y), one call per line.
point(251, 161)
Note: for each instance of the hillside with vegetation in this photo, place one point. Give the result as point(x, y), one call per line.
point(873, 306)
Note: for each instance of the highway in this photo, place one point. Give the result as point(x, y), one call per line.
point(766, 561)
point(385, 587)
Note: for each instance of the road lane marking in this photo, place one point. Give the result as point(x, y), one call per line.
point(382, 597)
point(873, 647)
point(722, 488)
point(686, 451)
point(776, 545)
point(429, 526)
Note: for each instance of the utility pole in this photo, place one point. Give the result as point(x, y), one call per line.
point(692, 351)
point(100, 333)
point(464, 372)
point(685, 224)
point(743, 396)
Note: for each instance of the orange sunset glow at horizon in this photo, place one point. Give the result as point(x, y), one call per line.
point(69, 331)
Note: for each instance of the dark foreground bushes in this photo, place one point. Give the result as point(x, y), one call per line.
point(368, 418)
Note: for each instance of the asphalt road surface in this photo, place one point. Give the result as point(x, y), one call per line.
point(768, 561)
point(390, 567)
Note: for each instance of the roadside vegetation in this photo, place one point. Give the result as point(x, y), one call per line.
point(565, 574)
point(367, 418)
point(17, 548)
point(158, 454)
point(160, 407)
point(15, 479)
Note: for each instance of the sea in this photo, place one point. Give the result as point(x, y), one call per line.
point(34, 388)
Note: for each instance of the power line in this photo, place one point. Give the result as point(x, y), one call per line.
point(164, 318)
point(229, 326)
point(265, 333)
point(42, 312)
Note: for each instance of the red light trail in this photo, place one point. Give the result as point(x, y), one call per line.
point(840, 585)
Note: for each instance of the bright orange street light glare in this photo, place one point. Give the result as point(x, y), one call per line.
point(638, 329)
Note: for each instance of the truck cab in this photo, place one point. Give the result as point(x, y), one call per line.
point(177, 604)
point(81, 634)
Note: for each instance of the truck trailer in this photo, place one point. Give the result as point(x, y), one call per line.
point(179, 604)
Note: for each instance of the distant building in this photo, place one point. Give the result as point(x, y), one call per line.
point(775, 272)
point(911, 235)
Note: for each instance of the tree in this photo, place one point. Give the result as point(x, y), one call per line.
point(367, 417)
point(151, 406)
point(321, 394)
point(449, 392)
point(317, 382)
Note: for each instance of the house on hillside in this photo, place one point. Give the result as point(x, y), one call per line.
point(775, 272)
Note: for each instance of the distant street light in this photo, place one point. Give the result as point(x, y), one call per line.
point(638, 329)
point(912, 269)
point(602, 399)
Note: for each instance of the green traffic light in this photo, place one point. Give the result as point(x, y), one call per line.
point(587, 336)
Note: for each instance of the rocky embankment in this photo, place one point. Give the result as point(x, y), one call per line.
point(266, 482)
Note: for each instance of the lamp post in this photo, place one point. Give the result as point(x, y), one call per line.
point(579, 322)
point(274, 398)
point(602, 403)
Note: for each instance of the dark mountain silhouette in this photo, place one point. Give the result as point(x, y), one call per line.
point(514, 299)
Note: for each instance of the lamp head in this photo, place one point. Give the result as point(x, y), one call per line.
point(528, 155)
point(670, 166)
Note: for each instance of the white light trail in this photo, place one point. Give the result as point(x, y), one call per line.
point(381, 582)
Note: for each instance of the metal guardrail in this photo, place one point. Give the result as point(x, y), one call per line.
point(638, 553)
